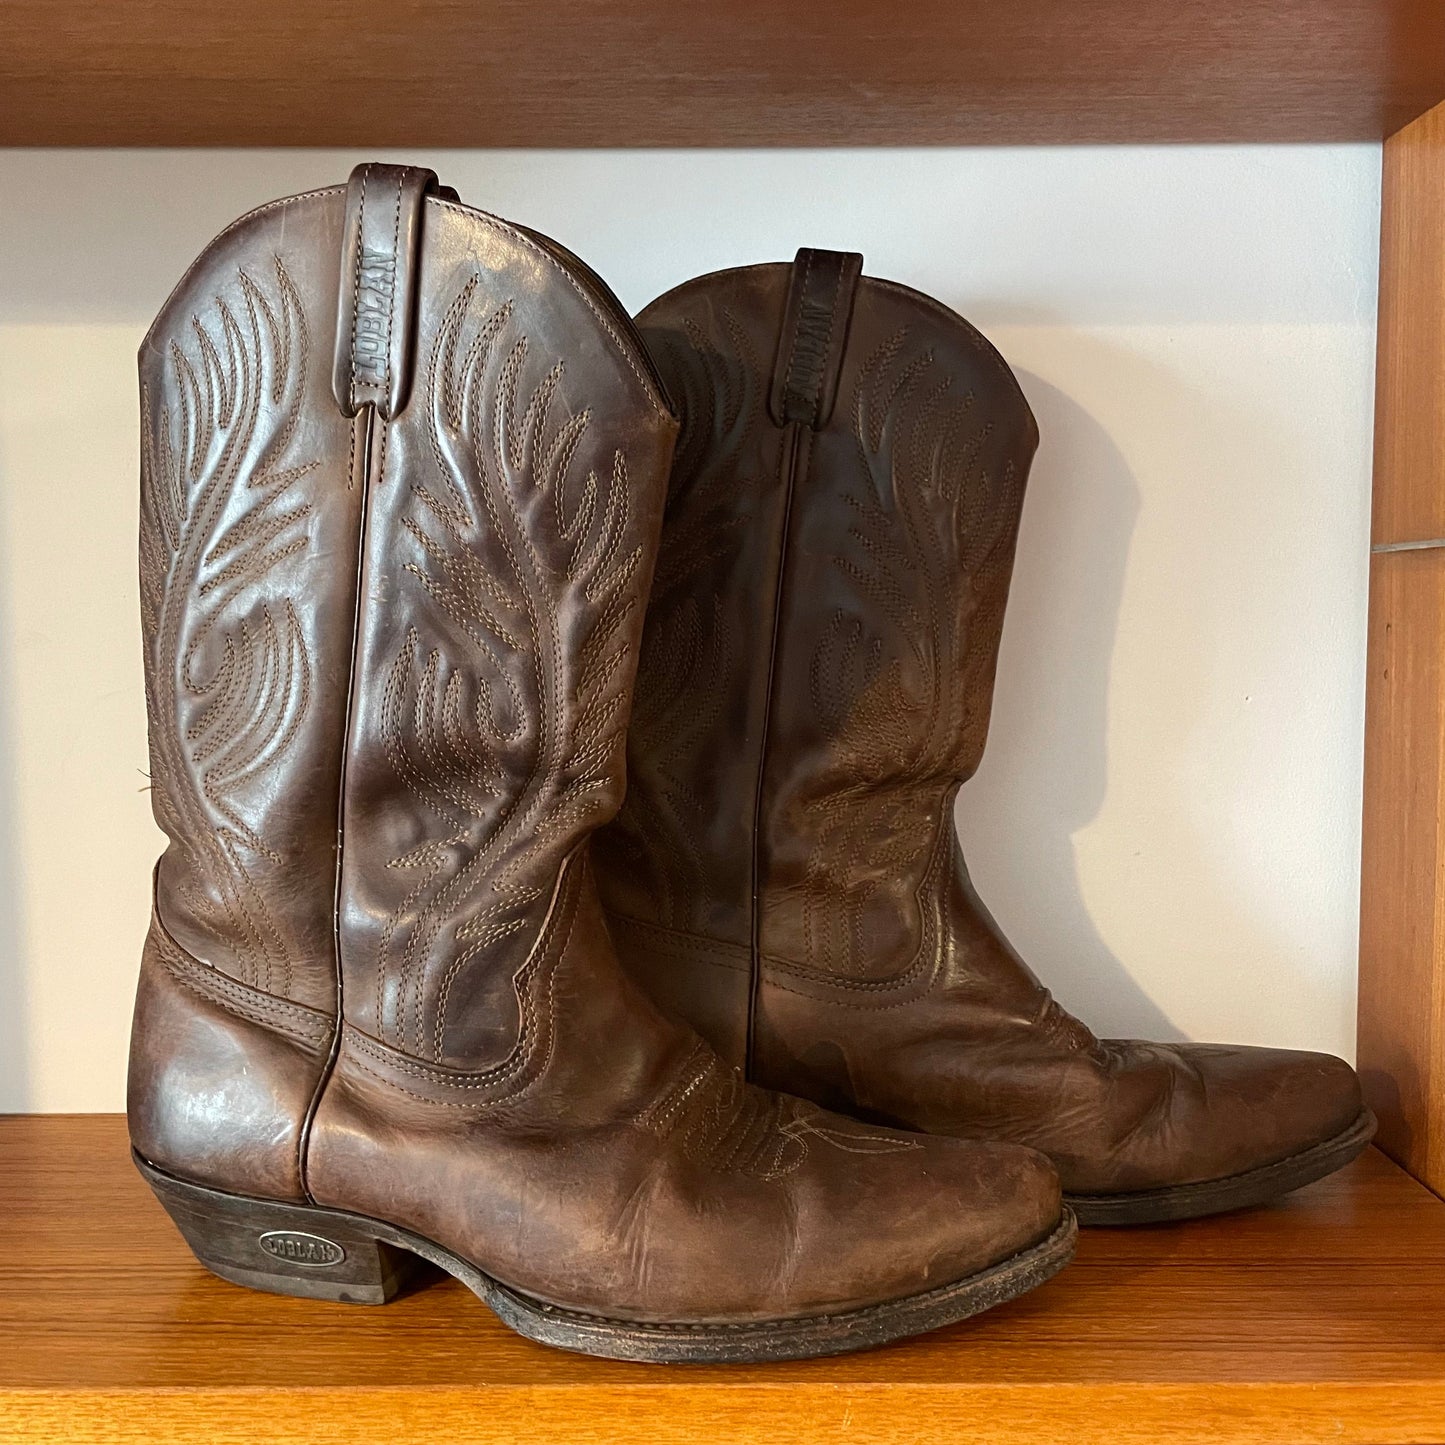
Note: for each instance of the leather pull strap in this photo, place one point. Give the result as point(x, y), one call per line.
point(376, 314)
point(814, 336)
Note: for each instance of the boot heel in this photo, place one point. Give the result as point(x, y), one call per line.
point(294, 1249)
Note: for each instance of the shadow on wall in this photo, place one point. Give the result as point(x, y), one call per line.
point(1044, 777)
point(1045, 768)
point(14, 1063)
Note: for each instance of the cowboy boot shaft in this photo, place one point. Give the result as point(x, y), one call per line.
point(392, 571)
point(898, 549)
point(249, 542)
point(512, 522)
point(823, 633)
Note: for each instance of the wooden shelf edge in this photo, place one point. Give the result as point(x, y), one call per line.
point(1315, 1320)
point(1377, 1413)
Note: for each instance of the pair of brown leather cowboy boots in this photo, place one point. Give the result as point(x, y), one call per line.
point(415, 991)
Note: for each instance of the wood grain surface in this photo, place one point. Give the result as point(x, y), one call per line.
point(1320, 1319)
point(1402, 903)
point(1409, 502)
point(373, 73)
point(1401, 1049)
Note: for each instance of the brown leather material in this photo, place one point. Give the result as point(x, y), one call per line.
point(618, 1165)
point(248, 579)
point(223, 1088)
point(816, 680)
point(414, 802)
point(376, 305)
point(813, 338)
point(510, 535)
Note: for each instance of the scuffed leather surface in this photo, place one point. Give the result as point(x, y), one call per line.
point(868, 564)
point(469, 579)
point(615, 1164)
point(224, 1074)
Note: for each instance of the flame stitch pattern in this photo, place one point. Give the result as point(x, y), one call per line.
point(230, 680)
point(898, 691)
point(508, 730)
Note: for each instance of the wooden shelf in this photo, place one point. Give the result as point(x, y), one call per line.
point(376, 74)
point(1321, 1319)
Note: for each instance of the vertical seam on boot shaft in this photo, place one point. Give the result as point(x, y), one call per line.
point(797, 455)
point(367, 421)
point(793, 434)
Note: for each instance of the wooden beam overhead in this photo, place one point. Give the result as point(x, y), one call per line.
point(375, 73)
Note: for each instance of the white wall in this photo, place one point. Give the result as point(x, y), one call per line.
point(1167, 819)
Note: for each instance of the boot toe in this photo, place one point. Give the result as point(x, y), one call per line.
point(1266, 1105)
point(929, 1212)
point(1207, 1112)
point(1005, 1198)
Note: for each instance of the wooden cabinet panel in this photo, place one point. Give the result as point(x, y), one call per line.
point(1402, 925)
point(1402, 902)
point(1410, 388)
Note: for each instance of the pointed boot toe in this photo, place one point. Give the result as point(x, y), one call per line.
point(1240, 1126)
point(947, 1215)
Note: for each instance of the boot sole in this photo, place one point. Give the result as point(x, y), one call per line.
point(328, 1254)
point(1237, 1191)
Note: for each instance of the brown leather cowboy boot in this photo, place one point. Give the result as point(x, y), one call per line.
point(403, 478)
point(815, 684)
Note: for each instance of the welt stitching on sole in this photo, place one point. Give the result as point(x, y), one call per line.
point(1364, 1124)
point(1036, 1252)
